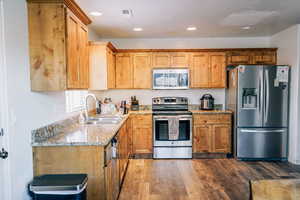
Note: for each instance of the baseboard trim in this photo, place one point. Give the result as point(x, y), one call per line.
point(211, 155)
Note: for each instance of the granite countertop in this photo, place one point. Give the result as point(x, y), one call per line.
point(211, 111)
point(83, 135)
point(70, 133)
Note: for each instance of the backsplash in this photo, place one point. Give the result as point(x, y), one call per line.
point(145, 96)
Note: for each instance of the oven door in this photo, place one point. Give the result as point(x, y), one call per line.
point(161, 131)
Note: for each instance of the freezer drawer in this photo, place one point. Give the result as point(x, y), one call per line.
point(261, 143)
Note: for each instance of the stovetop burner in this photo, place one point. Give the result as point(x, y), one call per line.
point(170, 106)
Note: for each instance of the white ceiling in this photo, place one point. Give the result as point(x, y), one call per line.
point(213, 18)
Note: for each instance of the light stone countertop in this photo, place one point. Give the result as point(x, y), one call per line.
point(211, 111)
point(100, 134)
point(84, 135)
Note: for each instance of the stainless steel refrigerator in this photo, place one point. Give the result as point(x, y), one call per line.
point(259, 97)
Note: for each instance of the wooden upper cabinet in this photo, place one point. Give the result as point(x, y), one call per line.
point(179, 59)
point(199, 70)
point(57, 45)
point(161, 60)
point(77, 53)
point(248, 57)
point(264, 57)
point(170, 59)
point(142, 70)
point(83, 58)
point(102, 66)
point(239, 57)
point(208, 70)
point(124, 71)
point(111, 68)
point(72, 52)
point(217, 62)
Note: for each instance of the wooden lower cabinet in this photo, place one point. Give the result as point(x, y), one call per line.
point(221, 138)
point(73, 159)
point(201, 140)
point(90, 160)
point(142, 134)
point(212, 133)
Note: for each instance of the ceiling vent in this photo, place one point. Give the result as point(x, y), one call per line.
point(127, 13)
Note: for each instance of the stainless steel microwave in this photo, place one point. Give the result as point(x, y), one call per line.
point(170, 79)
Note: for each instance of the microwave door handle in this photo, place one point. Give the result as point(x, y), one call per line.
point(180, 79)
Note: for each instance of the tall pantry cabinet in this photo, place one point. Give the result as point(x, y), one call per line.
point(58, 45)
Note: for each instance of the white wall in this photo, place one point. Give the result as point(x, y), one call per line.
point(145, 96)
point(93, 36)
point(186, 43)
point(27, 110)
point(288, 44)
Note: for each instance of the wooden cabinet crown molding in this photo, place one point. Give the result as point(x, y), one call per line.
point(72, 5)
point(107, 44)
point(194, 50)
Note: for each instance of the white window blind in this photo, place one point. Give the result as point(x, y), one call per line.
point(75, 100)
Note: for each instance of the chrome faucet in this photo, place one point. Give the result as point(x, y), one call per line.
point(86, 110)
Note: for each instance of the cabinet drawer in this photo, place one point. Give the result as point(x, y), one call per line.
point(212, 119)
point(141, 120)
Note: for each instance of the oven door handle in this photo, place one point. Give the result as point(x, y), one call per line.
point(180, 117)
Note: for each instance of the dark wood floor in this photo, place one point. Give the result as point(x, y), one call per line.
point(204, 179)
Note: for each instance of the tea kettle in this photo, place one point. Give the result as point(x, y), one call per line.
point(207, 102)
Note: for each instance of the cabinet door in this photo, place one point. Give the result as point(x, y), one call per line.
point(179, 59)
point(221, 138)
point(83, 57)
point(239, 58)
point(201, 139)
point(142, 139)
point(109, 181)
point(72, 53)
point(217, 63)
point(129, 136)
point(124, 71)
point(199, 70)
point(142, 70)
point(111, 69)
point(264, 57)
point(161, 60)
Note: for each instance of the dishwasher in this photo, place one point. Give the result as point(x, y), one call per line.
point(112, 170)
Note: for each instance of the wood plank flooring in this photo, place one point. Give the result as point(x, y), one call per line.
point(203, 179)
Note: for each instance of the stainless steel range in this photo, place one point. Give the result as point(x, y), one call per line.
point(172, 127)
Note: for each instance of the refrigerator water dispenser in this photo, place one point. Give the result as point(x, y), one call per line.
point(250, 97)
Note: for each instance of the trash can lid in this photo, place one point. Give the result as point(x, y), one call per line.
point(59, 182)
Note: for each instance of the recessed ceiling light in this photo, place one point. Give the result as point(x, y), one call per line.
point(191, 28)
point(137, 29)
point(246, 27)
point(95, 13)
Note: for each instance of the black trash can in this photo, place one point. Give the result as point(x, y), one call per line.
point(59, 187)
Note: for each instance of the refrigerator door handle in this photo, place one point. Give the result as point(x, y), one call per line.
point(267, 96)
point(261, 131)
point(261, 92)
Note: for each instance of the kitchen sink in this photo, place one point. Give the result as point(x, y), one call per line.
point(104, 120)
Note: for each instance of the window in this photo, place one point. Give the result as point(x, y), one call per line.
point(75, 100)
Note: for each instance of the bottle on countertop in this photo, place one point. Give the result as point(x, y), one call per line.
point(123, 107)
point(134, 103)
